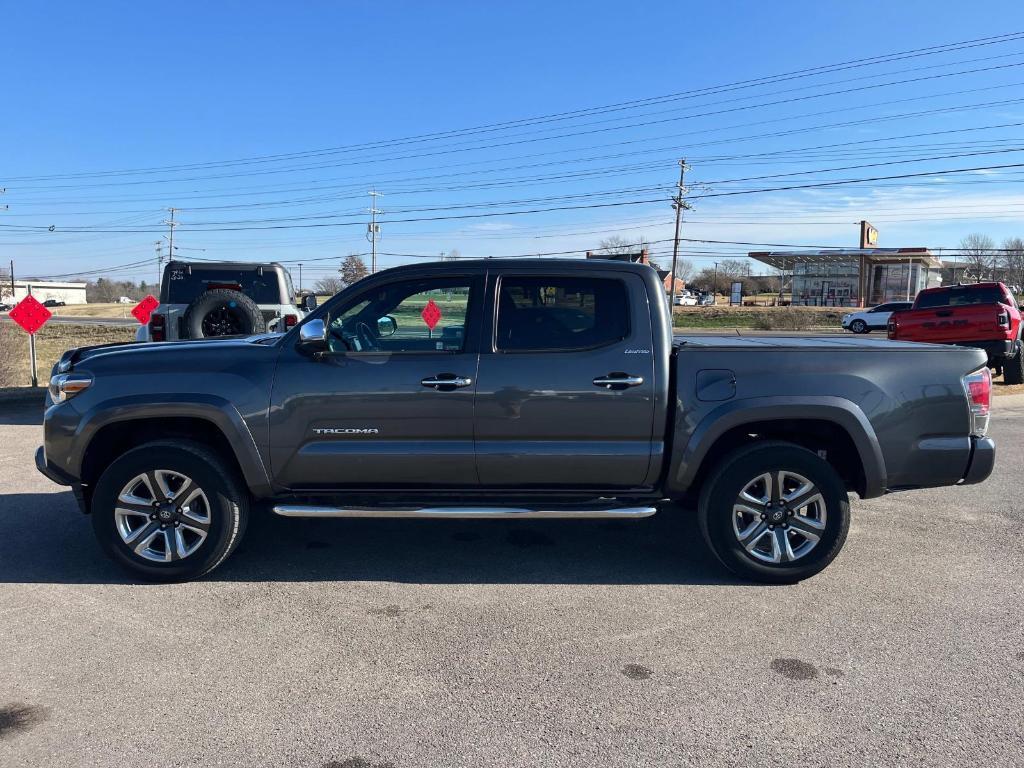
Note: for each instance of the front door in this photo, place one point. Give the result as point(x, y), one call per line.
point(566, 390)
point(391, 404)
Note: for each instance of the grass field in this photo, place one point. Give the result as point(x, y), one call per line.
point(51, 342)
point(767, 318)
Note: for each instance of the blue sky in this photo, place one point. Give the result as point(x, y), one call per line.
point(93, 88)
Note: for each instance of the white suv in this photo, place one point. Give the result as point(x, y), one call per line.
point(874, 319)
point(203, 299)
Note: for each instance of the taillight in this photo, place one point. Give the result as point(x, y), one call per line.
point(290, 320)
point(978, 386)
point(1003, 319)
point(890, 328)
point(158, 328)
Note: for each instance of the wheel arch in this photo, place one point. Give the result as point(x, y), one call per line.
point(120, 427)
point(830, 424)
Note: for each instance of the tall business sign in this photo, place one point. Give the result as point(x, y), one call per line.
point(868, 239)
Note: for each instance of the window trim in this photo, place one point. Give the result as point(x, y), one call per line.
point(496, 318)
point(477, 286)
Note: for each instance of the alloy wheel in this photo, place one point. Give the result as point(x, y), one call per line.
point(162, 515)
point(779, 517)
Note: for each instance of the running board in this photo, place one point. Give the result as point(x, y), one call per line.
point(456, 513)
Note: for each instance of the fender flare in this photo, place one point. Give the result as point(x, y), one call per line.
point(221, 413)
point(837, 410)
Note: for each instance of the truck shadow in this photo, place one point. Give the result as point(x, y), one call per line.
point(44, 539)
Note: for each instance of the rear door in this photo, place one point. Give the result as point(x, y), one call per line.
point(565, 393)
point(391, 405)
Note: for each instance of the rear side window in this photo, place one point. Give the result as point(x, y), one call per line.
point(184, 285)
point(560, 313)
point(968, 294)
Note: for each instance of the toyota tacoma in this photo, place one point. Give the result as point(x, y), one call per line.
point(507, 389)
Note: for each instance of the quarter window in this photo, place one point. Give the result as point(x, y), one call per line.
point(560, 313)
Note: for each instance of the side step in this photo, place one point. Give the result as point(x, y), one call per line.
point(454, 513)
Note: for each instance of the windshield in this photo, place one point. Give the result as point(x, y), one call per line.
point(980, 294)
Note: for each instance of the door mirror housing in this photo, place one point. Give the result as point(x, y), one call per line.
point(309, 302)
point(387, 326)
point(313, 336)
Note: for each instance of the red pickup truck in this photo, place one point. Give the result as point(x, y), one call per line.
point(982, 315)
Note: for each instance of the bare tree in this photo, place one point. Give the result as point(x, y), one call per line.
point(328, 286)
point(618, 245)
point(1013, 261)
point(684, 270)
point(978, 252)
point(353, 269)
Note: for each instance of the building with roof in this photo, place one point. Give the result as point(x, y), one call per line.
point(854, 277)
point(69, 293)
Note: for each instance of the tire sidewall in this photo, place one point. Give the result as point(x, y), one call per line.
point(226, 514)
point(739, 469)
point(205, 303)
point(859, 326)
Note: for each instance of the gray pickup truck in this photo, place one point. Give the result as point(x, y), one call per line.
point(507, 389)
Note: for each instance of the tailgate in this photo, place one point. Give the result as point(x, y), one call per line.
point(977, 322)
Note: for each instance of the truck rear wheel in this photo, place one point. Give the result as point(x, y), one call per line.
point(774, 512)
point(169, 511)
point(1013, 367)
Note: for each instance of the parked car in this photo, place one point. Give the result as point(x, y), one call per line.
point(685, 299)
point(874, 319)
point(125, 300)
point(205, 299)
point(519, 389)
point(706, 299)
point(6, 307)
point(982, 315)
point(54, 303)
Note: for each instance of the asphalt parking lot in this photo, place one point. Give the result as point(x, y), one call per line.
point(404, 643)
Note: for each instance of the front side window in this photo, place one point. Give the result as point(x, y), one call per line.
point(411, 316)
point(560, 313)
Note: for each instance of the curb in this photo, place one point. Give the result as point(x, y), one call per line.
point(20, 395)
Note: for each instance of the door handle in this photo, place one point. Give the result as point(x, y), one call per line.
point(446, 382)
point(618, 381)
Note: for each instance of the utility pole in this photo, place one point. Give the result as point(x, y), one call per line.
point(159, 263)
point(680, 205)
point(373, 230)
point(714, 285)
point(170, 238)
point(300, 277)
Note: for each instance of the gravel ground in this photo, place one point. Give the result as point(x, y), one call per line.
point(368, 644)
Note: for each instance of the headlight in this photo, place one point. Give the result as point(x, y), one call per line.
point(65, 385)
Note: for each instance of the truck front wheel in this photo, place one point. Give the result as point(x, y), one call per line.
point(774, 512)
point(169, 510)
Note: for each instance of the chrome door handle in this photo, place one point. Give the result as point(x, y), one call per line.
point(618, 380)
point(446, 381)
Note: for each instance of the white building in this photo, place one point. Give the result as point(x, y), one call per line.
point(69, 293)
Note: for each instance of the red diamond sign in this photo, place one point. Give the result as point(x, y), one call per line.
point(144, 309)
point(431, 314)
point(30, 314)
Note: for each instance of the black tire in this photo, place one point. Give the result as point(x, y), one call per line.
point(732, 475)
point(859, 326)
point(223, 312)
point(1013, 367)
point(227, 513)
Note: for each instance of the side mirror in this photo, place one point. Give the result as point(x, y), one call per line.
point(313, 336)
point(309, 302)
point(386, 326)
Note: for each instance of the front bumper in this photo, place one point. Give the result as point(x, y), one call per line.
point(54, 474)
point(983, 459)
point(50, 471)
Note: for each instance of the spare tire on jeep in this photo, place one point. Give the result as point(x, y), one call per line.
point(223, 312)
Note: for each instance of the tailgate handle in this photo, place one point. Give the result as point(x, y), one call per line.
point(944, 313)
point(618, 381)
